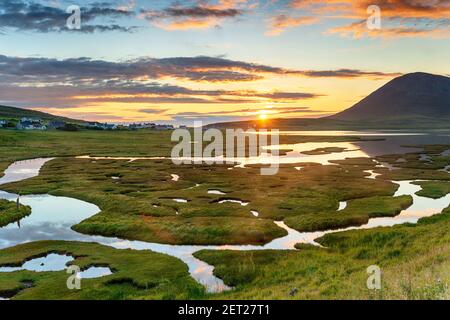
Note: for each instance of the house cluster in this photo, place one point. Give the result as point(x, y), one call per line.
point(136, 126)
point(31, 124)
point(154, 126)
point(101, 126)
point(39, 124)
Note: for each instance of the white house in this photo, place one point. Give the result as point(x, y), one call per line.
point(31, 124)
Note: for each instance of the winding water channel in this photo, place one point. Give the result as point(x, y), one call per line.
point(52, 218)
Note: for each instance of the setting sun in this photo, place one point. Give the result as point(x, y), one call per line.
point(263, 114)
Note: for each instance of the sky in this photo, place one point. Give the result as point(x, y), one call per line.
point(213, 60)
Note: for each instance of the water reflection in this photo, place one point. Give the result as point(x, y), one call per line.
point(52, 217)
point(51, 262)
point(22, 170)
point(58, 262)
point(342, 205)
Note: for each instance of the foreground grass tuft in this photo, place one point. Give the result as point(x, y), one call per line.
point(136, 274)
point(9, 212)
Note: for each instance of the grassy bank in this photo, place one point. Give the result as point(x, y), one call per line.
point(9, 212)
point(137, 199)
point(414, 260)
point(136, 274)
point(18, 145)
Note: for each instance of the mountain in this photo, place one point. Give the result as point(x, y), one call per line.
point(12, 113)
point(412, 96)
point(412, 101)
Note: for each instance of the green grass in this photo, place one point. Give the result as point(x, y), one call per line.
point(19, 145)
point(136, 274)
point(139, 206)
point(9, 212)
point(357, 212)
point(414, 261)
point(326, 150)
point(434, 189)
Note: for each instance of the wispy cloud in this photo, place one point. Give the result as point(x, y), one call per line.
point(278, 24)
point(435, 9)
point(44, 83)
point(243, 114)
point(201, 68)
point(18, 15)
point(400, 18)
point(433, 29)
point(202, 15)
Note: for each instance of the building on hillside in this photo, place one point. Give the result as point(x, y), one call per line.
point(56, 124)
point(101, 126)
point(31, 124)
point(93, 125)
point(110, 126)
point(136, 126)
point(164, 127)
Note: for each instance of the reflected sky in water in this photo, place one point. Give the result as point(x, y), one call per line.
point(52, 217)
point(58, 262)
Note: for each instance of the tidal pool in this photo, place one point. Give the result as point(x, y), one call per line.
point(52, 217)
point(58, 262)
point(377, 143)
point(254, 213)
point(180, 200)
point(342, 205)
point(242, 203)
point(218, 192)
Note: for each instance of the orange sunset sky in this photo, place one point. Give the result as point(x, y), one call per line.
point(218, 60)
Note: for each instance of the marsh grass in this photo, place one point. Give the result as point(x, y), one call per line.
point(414, 258)
point(136, 274)
point(414, 261)
point(9, 212)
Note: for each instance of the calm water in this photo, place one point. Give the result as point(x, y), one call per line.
point(58, 262)
point(52, 217)
point(392, 143)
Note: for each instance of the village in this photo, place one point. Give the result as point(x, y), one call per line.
point(39, 124)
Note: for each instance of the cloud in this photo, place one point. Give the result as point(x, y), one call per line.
point(348, 73)
point(85, 71)
point(250, 111)
point(278, 24)
point(400, 18)
point(43, 82)
point(70, 83)
point(242, 114)
point(359, 30)
point(200, 12)
point(203, 15)
point(21, 15)
point(390, 8)
point(154, 111)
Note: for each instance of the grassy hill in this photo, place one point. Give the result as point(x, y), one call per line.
point(12, 113)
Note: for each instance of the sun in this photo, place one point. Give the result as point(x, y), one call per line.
point(263, 115)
